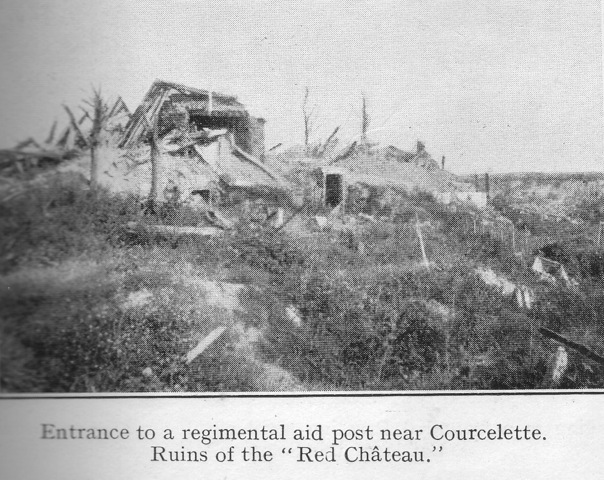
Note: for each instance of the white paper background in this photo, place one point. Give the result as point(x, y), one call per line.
point(572, 423)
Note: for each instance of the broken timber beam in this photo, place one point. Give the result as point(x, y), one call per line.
point(324, 147)
point(345, 154)
point(170, 230)
point(582, 349)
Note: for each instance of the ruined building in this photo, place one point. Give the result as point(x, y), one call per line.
point(203, 110)
point(207, 145)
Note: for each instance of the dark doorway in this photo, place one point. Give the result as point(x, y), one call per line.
point(334, 191)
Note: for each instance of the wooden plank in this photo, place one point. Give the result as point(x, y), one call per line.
point(204, 343)
point(421, 243)
point(170, 230)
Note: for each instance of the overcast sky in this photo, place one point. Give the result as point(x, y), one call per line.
point(493, 85)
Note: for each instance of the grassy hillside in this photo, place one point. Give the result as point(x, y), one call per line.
point(90, 305)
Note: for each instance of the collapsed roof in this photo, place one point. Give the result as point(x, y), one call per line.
point(213, 134)
point(225, 110)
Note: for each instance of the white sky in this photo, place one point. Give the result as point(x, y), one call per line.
point(493, 85)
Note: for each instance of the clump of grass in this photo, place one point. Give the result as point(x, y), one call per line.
point(59, 219)
point(367, 317)
point(378, 333)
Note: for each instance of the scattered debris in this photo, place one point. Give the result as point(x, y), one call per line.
point(476, 199)
point(420, 157)
point(138, 299)
point(489, 277)
point(550, 271)
point(218, 220)
point(558, 366)
point(525, 297)
point(277, 218)
point(320, 221)
point(294, 315)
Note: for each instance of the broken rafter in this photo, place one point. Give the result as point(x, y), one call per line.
point(118, 107)
point(325, 146)
point(345, 154)
point(51, 134)
point(140, 113)
point(26, 143)
point(63, 138)
point(582, 349)
point(74, 124)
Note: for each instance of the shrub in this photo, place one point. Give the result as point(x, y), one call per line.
point(60, 219)
point(351, 339)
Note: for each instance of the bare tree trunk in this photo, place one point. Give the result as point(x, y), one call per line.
point(154, 169)
point(306, 118)
point(94, 169)
point(364, 121)
point(154, 143)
